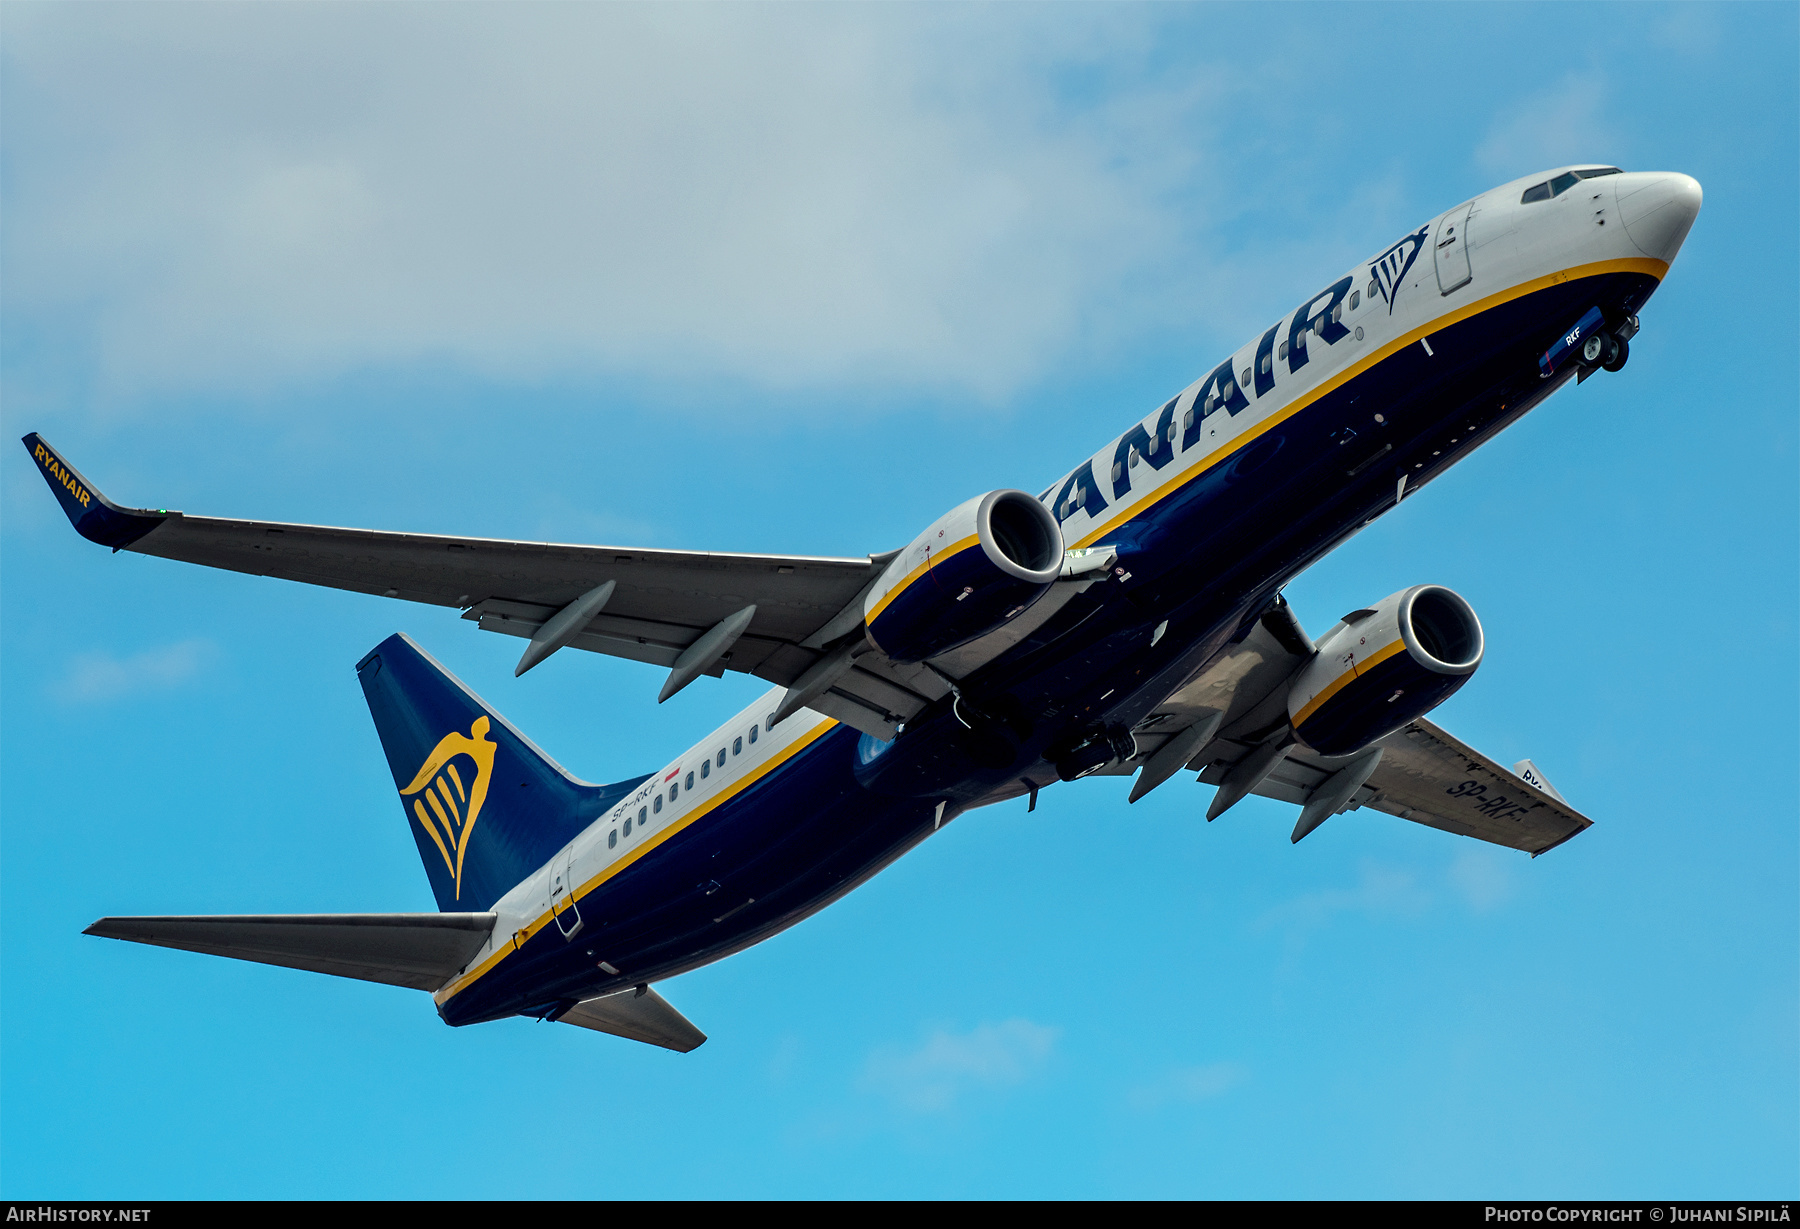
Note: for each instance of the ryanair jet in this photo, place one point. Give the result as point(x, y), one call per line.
point(1126, 620)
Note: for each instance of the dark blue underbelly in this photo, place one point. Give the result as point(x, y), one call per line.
point(792, 843)
point(1207, 559)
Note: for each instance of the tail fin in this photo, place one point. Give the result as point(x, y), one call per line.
point(486, 807)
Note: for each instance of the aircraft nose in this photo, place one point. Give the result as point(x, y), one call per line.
point(1658, 210)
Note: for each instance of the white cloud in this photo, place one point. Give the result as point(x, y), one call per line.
point(1563, 124)
point(1692, 29)
point(932, 1077)
point(101, 676)
point(1380, 890)
point(1483, 876)
point(1189, 1085)
point(1480, 875)
point(231, 197)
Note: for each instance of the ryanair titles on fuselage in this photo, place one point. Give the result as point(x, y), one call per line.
point(1153, 441)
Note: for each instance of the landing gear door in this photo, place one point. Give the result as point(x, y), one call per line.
point(1453, 249)
point(562, 894)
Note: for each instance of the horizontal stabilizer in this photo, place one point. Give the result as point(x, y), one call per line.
point(418, 950)
point(640, 1015)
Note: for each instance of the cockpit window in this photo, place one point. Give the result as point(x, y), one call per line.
point(1562, 183)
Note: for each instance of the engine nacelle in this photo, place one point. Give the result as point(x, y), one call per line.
point(980, 564)
point(1384, 666)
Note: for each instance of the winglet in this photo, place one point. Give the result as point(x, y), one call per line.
point(94, 516)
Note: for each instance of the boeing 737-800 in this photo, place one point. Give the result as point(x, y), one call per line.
point(1127, 619)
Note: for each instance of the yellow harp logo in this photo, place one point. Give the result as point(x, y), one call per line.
point(445, 799)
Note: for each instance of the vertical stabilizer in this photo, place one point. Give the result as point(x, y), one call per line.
point(486, 807)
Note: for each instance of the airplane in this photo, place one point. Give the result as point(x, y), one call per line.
point(1126, 620)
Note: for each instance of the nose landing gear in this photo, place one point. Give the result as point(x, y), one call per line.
point(1608, 349)
point(1605, 351)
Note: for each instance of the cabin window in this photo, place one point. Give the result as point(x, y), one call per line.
point(1246, 380)
point(643, 814)
point(674, 791)
point(1355, 298)
point(690, 781)
point(658, 804)
point(737, 747)
point(705, 769)
point(1373, 290)
point(1282, 353)
point(752, 733)
point(628, 825)
point(721, 757)
point(1266, 364)
point(612, 839)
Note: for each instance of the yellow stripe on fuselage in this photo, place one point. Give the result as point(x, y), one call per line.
point(523, 934)
point(931, 559)
point(1356, 670)
point(1119, 514)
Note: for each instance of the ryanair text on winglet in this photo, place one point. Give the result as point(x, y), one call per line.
point(56, 470)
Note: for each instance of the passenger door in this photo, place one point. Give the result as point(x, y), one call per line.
point(1453, 249)
point(562, 894)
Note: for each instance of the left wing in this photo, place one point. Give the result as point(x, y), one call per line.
point(1227, 724)
point(1429, 776)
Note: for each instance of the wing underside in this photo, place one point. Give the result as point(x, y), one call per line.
point(1425, 774)
point(661, 603)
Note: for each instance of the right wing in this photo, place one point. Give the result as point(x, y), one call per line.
point(662, 603)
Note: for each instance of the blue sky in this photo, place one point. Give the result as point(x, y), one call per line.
point(798, 279)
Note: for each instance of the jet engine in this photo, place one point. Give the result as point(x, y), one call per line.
point(981, 563)
point(1382, 667)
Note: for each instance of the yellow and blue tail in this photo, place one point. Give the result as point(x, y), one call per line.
point(486, 807)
